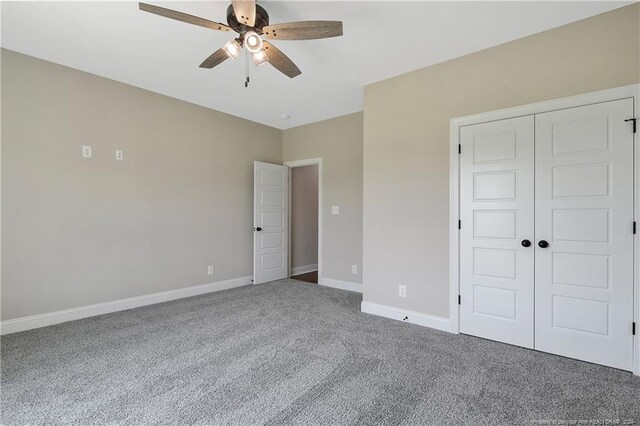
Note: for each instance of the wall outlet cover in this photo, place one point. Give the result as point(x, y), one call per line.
point(354, 269)
point(119, 155)
point(335, 209)
point(402, 290)
point(86, 151)
point(211, 270)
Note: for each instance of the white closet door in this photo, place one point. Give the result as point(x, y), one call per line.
point(496, 204)
point(584, 211)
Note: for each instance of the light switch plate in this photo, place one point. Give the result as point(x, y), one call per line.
point(211, 270)
point(354, 269)
point(335, 209)
point(86, 151)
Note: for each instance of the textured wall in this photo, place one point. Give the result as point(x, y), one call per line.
point(406, 140)
point(80, 231)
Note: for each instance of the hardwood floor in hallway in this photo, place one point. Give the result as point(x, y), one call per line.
point(310, 277)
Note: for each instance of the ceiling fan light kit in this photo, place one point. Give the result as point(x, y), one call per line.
point(233, 48)
point(253, 41)
point(259, 57)
point(251, 22)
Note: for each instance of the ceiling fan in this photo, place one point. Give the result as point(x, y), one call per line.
point(251, 22)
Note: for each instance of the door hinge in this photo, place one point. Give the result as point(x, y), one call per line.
point(460, 147)
point(633, 120)
point(459, 300)
point(633, 328)
point(459, 224)
point(634, 226)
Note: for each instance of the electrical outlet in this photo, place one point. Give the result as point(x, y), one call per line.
point(211, 270)
point(402, 290)
point(354, 269)
point(335, 209)
point(86, 151)
point(119, 155)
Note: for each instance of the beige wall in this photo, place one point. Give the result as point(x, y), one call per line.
point(80, 231)
point(339, 143)
point(77, 231)
point(406, 141)
point(304, 216)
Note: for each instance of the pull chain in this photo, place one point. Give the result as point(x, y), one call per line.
point(246, 68)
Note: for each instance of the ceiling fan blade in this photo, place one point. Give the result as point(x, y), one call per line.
point(303, 30)
point(245, 11)
point(183, 17)
point(280, 61)
point(218, 57)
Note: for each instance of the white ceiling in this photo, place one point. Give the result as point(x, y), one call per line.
point(381, 40)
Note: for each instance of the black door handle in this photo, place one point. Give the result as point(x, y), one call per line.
point(258, 229)
point(543, 244)
point(526, 243)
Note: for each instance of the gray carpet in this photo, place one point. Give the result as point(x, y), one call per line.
point(292, 353)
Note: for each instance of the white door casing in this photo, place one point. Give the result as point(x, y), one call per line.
point(496, 212)
point(270, 221)
point(584, 211)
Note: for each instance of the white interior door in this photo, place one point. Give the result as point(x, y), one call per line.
point(496, 210)
point(270, 221)
point(584, 213)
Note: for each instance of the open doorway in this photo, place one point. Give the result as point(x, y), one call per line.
point(305, 221)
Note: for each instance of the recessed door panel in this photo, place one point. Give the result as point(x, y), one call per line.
point(496, 209)
point(269, 262)
point(583, 315)
point(590, 134)
point(495, 302)
point(270, 198)
point(589, 270)
point(497, 263)
point(584, 211)
point(495, 186)
point(494, 147)
point(580, 225)
point(271, 241)
point(583, 180)
point(272, 178)
point(272, 219)
point(494, 224)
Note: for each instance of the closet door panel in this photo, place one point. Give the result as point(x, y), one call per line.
point(584, 211)
point(496, 203)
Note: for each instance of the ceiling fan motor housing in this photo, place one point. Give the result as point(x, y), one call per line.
point(262, 20)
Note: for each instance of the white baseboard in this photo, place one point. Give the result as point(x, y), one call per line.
point(304, 269)
point(342, 285)
point(51, 318)
point(412, 317)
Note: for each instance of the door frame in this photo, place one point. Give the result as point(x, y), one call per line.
point(623, 92)
point(302, 163)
